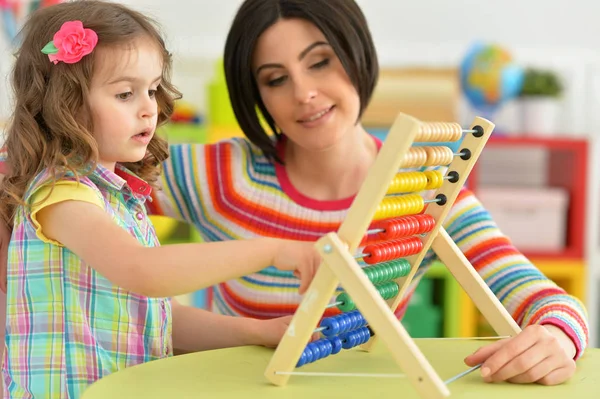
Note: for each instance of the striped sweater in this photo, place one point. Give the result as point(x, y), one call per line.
point(230, 190)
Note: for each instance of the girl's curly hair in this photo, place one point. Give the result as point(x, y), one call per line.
point(51, 125)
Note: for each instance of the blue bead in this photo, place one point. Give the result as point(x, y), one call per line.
point(302, 360)
point(315, 351)
point(329, 347)
point(324, 349)
point(309, 355)
point(357, 319)
point(364, 335)
point(355, 340)
point(336, 344)
point(348, 341)
point(332, 327)
point(363, 321)
point(349, 322)
point(359, 334)
point(343, 323)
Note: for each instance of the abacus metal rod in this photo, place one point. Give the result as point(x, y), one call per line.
point(460, 375)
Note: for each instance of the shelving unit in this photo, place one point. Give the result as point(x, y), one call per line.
point(567, 169)
point(592, 240)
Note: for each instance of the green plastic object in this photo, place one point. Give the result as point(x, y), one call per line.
point(219, 113)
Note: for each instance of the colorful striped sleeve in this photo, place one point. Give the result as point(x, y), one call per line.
point(528, 295)
point(181, 184)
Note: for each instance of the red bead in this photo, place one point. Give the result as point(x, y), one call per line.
point(389, 250)
point(401, 227)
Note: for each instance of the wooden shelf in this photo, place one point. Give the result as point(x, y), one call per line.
point(567, 169)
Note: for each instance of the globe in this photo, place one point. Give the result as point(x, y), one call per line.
point(489, 77)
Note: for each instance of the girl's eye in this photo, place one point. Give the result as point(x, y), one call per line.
point(124, 96)
point(152, 93)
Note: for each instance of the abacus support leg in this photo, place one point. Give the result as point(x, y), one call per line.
point(483, 297)
point(381, 319)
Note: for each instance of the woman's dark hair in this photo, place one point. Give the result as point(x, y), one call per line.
point(343, 25)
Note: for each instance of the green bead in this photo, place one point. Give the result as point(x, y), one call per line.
point(388, 290)
point(347, 304)
point(386, 272)
point(380, 275)
point(373, 274)
point(404, 268)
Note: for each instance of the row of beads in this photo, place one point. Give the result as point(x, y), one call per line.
point(387, 290)
point(342, 323)
point(408, 182)
point(333, 345)
point(417, 157)
point(405, 226)
point(439, 132)
point(387, 271)
point(394, 249)
point(390, 207)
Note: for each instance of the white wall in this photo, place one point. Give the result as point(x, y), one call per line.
point(546, 33)
point(549, 33)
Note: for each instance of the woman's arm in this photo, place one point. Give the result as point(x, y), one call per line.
point(183, 184)
point(528, 295)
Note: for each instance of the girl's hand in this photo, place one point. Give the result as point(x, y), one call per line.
point(540, 354)
point(300, 257)
point(270, 332)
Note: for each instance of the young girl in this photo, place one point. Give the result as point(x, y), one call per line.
point(310, 66)
point(88, 288)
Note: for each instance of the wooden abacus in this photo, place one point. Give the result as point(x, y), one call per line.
point(387, 193)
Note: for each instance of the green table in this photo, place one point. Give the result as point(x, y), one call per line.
point(238, 373)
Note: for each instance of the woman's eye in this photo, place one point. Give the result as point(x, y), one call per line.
point(276, 82)
point(321, 64)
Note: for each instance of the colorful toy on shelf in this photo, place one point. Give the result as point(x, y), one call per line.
point(221, 121)
point(489, 77)
point(14, 12)
point(185, 113)
point(186, 125)
point(390, 226)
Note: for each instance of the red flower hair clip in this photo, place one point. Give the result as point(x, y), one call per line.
point(71, 43)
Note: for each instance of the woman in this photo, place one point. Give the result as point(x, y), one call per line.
point(310, 67)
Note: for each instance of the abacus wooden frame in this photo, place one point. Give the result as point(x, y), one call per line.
point(339, 266)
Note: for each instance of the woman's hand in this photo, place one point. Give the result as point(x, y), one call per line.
point(540, 354)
